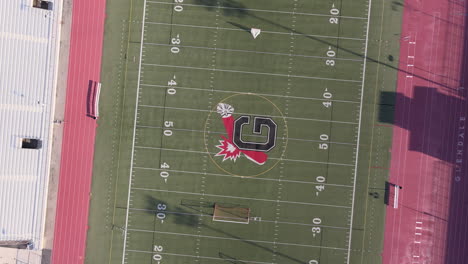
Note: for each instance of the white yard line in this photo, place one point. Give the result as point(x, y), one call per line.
point(235, 239)
point(256, 136)
point(243, 177)
point(259, 10)
point(134, 131)
point(291, 160)
point(263, 94)
point(263, 31)
point(241, 198)
point(285, 117)
point(359, 132)
point(249, 72)
point(201, 257)
point(255, 52)
point(262, 220)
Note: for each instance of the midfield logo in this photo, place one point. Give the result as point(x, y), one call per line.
point(235, 144)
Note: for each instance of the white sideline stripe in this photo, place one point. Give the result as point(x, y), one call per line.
point(198, 257)
point(260, 10)
point(359, 133)
point(248, 72)
point(272, 32)
point(286, 117)
point(256, 52)
point(241, 198)
point(204, 152)
point(258, 136)
point(134, 131)
point(240, 92)
point(243, 177)
point(267, 221)
point(235, 239)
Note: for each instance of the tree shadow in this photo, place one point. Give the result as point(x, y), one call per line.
point(232, 8)
point(187, 214)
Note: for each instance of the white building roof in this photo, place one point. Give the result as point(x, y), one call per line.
point(28, 65)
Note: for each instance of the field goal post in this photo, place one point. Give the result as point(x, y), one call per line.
point(231, 214)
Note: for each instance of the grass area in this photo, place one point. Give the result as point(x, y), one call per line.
point(301, 80)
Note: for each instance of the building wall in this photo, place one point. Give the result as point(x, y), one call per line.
point(28, 64)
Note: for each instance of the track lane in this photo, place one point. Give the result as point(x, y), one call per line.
point(79, 133)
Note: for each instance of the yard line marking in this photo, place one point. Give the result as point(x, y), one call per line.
point(235, 239)
point(263, 94)
point(359, 132)
point(286, 117)
point(262, 220)
point(261, 10)
point(202, 257)
point(134, 130)
point(241, 198)
point(263, 31)
point(242, 177)
point(257, 136)
point(292, 160)
point(256, 52)
point(249, 72)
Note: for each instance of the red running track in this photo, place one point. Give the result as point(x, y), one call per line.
point(79, 132)
point(429, 149)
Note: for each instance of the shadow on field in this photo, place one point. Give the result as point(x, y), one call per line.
point(188, 214)
point(180, 216)
point(232, 8)
point(432, 131)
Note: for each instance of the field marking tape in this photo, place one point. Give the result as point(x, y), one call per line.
point(291, 160)
point(256, 52)
point(259, 10)
point(262, 220)
point(134, 131)
point(249, 72)
point(263, 31)
point(285, 117)
point(241, 198)
point(235, 239)
point(243, 177)
point(359, 132)
point(257, 136)
point(262, 94)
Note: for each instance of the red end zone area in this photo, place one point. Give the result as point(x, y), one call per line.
point(79, 132)
point(429, 148)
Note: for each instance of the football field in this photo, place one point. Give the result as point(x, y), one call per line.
point(245, 149)
point(238, 131)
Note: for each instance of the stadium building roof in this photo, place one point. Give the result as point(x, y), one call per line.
point(29, 39)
